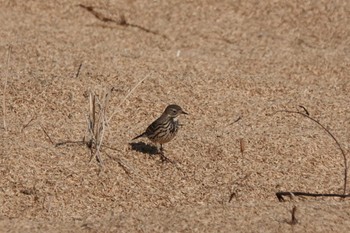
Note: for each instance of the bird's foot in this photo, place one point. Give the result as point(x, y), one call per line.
point(165, 159)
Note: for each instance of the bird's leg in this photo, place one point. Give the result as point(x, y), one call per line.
point(162, 156)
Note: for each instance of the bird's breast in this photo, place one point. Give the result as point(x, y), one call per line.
point(175, 125)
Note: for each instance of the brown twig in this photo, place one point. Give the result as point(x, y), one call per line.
point(239, 118)
point(109, 147)
point(47, 135)
point(294, 219)
point(78, 72)
point(291, 194)
point(121, 22)
point(28, 191)
point(91, 124)
point(232, 195)
point(122, 164)
point(26, 125)
point(306, 114)
point(306, 111)
point(96, 14)
point(71, 142)
point(241, 145)
point(97, 123)
point(237, 181)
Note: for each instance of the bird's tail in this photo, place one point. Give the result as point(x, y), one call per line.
point(140, 136)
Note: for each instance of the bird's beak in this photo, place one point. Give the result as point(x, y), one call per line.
point(183, 112)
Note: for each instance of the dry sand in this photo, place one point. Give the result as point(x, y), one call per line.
point(220, 61)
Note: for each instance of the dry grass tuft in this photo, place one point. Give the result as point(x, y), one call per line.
point(97, 123)
point(96, 120)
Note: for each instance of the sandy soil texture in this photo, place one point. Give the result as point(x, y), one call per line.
point(234, 66)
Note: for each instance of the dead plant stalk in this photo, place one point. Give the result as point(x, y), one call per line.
point(97, 123)
point(126, 97)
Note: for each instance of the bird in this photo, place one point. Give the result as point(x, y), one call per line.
point(165, 128)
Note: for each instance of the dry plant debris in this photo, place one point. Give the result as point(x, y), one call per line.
point(96, 120)
point(306, 114)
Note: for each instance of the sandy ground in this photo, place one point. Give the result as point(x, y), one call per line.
point(221, 61)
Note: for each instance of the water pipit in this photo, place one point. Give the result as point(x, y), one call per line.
point(164, 129)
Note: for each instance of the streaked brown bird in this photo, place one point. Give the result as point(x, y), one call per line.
point(164, 129)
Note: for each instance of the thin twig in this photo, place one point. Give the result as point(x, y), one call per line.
point(92, 104)
point(122, 164)
point(125, 98)
point(90, 132)
point(332, 136)
point(121, 22)
point(47, 135)
point(293, 220)
point(26, 125)
point(99, 142)
point(306, 111)
point(232, 195)
point(102, 120)
point(70, 142)
point(239, 118)
point(97, 14)
point(111, 148)
point(78, 72)
point(132, 90)
point(291, 194)
point(241, 145)
point(97, 123)
point(238, 181)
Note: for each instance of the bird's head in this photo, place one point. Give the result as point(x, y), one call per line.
point(174, 111)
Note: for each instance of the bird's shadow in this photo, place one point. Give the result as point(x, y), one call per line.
point(144, 148)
